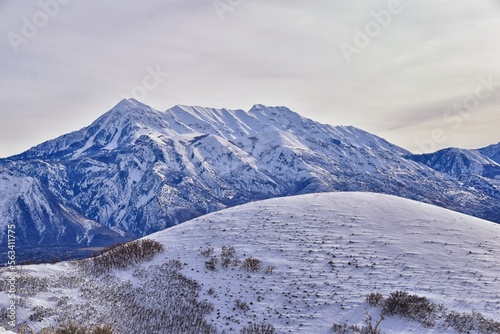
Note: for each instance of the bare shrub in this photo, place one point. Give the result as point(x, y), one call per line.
point(25, 329)
point(122, 256)
point(30, 286)
point(228, 256)
point(70, 328)
point(40, 313)
point(242, 305)
point(419, 309)
point(270, 270)
point(485, 325)
point(345, 329)
point(3, 315)
point(251, 264)
point(462, 322)
point(410, 306)
point(228, 252)
point(175, 265)
point(211, 264)
point(374, 298)
point(261, 328)
point(468, 322)
point(368, 327)
point(342, 328)
point(207, 252)
point(225, 262)
point(161, 300)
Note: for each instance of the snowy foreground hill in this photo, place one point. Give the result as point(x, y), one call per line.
point(316, 258)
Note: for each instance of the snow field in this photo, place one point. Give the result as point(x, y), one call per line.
point(326, 251)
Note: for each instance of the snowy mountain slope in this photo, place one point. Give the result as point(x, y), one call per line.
point(460, 162)
point(41, 219)
point(470, 167)
point(137, 170)
point(492, 152)
point(327, 252)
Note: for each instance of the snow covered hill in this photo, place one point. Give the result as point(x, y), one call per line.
point(320, 255)
point(137, 170)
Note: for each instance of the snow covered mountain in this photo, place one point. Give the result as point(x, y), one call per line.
point(32, 207)
point(492, 152)
point(318, 257)
point(137, 170)
point(471, 167)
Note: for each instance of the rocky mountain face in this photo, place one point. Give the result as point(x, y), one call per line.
point(475, 169)
point(492, 152)
point(137, 170)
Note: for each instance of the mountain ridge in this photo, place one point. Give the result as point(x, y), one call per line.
point(492, 152)
point(137, 170)
point(471, 167)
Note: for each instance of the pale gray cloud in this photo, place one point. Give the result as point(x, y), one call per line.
point(89, 54)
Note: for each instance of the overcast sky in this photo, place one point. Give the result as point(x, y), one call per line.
point(422, 74)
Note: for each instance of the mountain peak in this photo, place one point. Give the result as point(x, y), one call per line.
point(278, 114)
point(261, 108)
point(129, 105)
